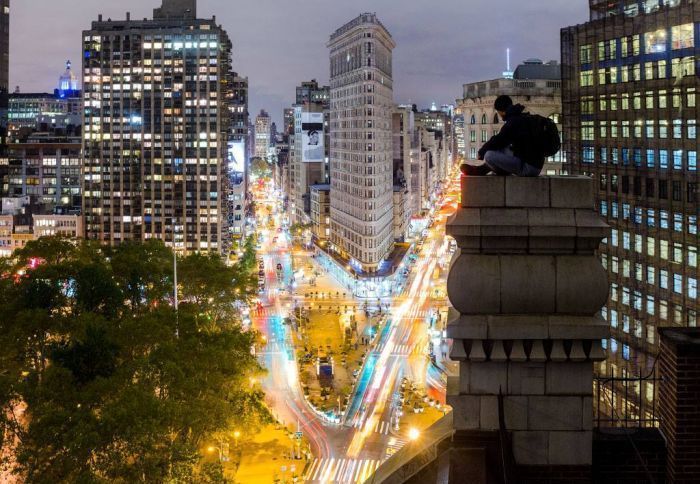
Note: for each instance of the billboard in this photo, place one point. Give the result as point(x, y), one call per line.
point(236, 156)
point(312, 143)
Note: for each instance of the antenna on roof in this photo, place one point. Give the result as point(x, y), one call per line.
point(508, 74)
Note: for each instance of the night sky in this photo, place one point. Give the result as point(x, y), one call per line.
point(441, 43)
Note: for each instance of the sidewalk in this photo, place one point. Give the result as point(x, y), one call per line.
point(265, 458)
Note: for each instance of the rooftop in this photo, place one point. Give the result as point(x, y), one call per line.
point(364, 18)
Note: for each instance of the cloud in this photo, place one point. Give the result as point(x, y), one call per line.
point(278, 44)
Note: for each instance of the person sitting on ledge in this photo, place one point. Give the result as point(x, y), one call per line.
point(512, 151)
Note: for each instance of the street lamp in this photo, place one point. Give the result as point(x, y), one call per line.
point(413, 434)
point(236, 434)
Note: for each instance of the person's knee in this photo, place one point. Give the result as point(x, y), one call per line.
point(489, 156)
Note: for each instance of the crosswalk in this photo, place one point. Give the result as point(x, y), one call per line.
point(380, 427)
point(402, 350)
point(341, 470)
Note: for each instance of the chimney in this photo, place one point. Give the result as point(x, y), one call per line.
point(176, 9)
point(679, 368)
point(128, 16)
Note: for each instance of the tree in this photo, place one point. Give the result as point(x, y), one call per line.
point(260, 168)
point(115, 387)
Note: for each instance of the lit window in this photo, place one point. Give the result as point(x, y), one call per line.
point(683, 36)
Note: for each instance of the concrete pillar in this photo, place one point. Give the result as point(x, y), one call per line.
point(679, 402)
point(527, 288)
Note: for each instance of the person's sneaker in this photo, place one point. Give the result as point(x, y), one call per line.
point(472, 170)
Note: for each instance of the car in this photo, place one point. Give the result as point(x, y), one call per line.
point(274, 240)
point(279, 266)
point(261, 273)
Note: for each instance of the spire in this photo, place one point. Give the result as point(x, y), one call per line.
point(508, 74)
point(68, 82)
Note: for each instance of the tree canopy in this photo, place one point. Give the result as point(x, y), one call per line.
point(101, 380)
point(260, 168)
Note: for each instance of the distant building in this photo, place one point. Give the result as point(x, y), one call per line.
point(361, 158)
point(309, 164)
point(4, 66)
point(288, 121)
point(310, 92)
point(321, 213)
point(59, 111)
point(534, 84)
point(630, 88)
point(47, 166)
point(25, 218)
point(155, 140)
point(238, 159)
point(421, 156)
point(262, 134)
point(402, 213)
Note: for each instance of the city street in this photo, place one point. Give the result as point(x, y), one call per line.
point(369, 431)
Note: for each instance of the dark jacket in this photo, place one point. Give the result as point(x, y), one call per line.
point(517, 135)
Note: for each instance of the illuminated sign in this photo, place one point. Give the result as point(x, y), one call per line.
point(312, 141)
point(236, 156)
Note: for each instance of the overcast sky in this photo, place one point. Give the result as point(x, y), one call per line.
point(441, 44)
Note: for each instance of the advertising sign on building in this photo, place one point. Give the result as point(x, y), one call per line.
point(236, 156)
point(312, 143)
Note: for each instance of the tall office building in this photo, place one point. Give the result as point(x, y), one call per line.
point(361, 158)
point(309, 162)
point(238, 159)
point(156, 128)
point(4, 67)
point(262, 134)
point(630, 83)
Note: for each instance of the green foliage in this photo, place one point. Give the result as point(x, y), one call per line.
point(260, 168)
point(115, 386)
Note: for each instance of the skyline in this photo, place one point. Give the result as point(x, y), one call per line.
point(36, 64)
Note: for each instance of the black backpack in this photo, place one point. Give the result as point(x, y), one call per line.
point(545, 134)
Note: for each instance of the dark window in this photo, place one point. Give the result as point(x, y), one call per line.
point(637, 186)
point(692, 192)
point(677, 192)
point(625, 184)
point(603, 182)
point(650, 187)
point(613, 183)
point(663, 189)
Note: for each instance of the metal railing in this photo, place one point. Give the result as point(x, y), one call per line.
point(623, 402)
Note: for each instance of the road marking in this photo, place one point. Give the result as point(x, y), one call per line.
point(342, 471)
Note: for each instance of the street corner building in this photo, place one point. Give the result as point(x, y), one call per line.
point(361, 152)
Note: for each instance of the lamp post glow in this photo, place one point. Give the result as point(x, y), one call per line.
point(413, 434)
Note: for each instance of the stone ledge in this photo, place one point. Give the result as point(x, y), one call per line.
point(527, 230)
point(543, 191)
point(525, 327)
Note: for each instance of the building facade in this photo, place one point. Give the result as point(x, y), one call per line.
point(630, 82)
point(361, 158)
point(47, 167)
point(534, 84)
point(262, 134)
point(4, 66)
point(238, 159)
point(312, 103)
point(321, 213)
point(156, 129)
